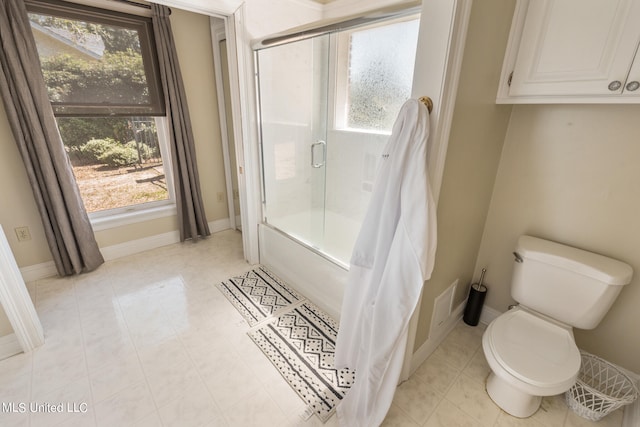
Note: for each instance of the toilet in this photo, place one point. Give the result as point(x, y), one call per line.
point(531, 349)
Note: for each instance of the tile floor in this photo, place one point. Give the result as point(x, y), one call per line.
point(149, 341)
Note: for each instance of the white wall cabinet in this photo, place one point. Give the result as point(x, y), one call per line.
point(573, 51)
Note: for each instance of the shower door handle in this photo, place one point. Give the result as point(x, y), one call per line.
point(323, 145)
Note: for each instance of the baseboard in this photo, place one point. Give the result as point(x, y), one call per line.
point(132, 247)
point(488, 315)
point(9, 346)
point(122, 250)
point(219, 225)
point(433, 342)
point(38, 271)
point(48, 269)
point(425, 350)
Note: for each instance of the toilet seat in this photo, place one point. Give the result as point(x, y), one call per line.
point(536, 351)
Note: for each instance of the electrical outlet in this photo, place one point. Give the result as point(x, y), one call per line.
point(220, 196)
point(23, 234)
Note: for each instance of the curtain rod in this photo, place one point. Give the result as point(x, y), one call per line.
point(336, 24)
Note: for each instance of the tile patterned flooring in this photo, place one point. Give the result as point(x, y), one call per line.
point(149, 341)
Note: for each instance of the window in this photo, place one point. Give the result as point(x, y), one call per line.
point(375, 74)
point(101, 72)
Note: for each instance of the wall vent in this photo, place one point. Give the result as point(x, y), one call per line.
point(442, 307)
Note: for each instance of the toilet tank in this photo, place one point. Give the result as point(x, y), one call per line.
point(571, 285)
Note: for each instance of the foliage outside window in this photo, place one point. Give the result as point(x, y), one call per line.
point(102, 79)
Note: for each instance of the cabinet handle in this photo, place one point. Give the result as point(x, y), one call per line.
point(631, 86)
point(615, 85)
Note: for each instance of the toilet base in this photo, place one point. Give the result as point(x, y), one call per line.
point(510, 399)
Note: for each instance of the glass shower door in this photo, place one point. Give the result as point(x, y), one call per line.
point(292, 89)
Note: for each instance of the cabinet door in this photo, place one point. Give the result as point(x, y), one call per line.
point(576, 47)
point(632, 85)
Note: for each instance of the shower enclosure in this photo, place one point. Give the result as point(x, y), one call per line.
point(327, 104)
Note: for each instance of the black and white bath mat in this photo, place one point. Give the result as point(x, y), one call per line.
point(301, 345)
point(257, 294)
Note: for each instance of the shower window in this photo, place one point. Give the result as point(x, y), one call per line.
point(374, 74)
point(327, 106)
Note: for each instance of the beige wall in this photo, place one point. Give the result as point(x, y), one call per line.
point(264, 18)
point(566, 172)
point(477, 134)
point(18, 208)
point(570, 173)
point(193, 43)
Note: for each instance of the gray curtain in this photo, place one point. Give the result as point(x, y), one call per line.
point(66, 224)
point(191, 215)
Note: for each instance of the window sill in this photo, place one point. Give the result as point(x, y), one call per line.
point(363, 131)
point(125, 218)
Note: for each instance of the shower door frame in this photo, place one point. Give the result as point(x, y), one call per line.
point(312, 265)
point(305, 132)
point(443, 26)
point(314, 262)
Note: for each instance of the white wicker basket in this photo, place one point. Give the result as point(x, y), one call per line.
point(600, 389)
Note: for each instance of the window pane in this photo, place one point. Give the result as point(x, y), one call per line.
point(95, 65)
point(381, 62)
point(116, 161)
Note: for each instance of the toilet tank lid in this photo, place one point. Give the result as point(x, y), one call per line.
point(599, 267)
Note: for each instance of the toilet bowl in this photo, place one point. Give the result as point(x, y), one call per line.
point(530, 356)
point(530, 349)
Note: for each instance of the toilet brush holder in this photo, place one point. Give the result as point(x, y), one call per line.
point(473, 309)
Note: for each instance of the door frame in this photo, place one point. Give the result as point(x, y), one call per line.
point(17, 305)
point(219, 34)
point(444, 24)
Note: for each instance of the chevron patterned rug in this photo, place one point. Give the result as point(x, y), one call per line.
point(301, 345)
point(258, 294)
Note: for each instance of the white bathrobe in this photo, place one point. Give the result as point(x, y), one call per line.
point(392, 258)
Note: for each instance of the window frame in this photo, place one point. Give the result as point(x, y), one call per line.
point(143, 26)
point(139, 212)
point(340, 46)
point(110, 218)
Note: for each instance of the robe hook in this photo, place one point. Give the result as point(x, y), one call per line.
point(427, 102)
